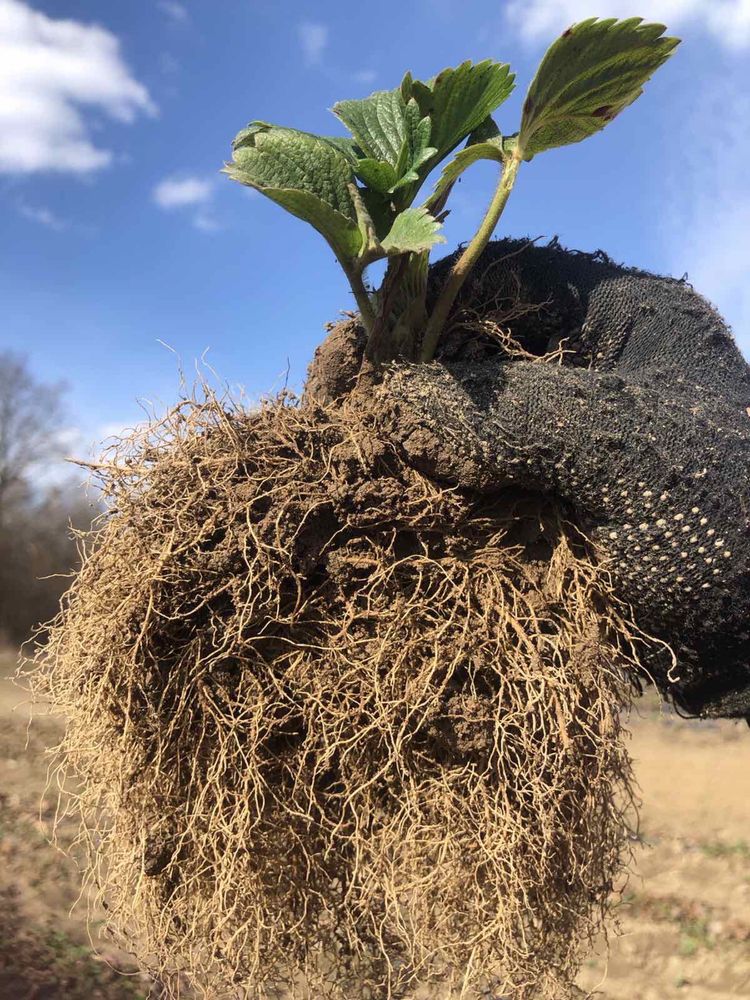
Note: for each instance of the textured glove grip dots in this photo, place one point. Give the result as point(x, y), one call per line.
point(643, 429)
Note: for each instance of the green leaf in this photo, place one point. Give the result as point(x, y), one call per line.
point(306, 174)
point(416, 149)
point(377, 123)
point(393, 136)
point(413, 127)
point(344, 236)
point(459, 100)
point(344, 145)
point(593, 71)
point(376, 174)
point(380, 209)
point(414, 230)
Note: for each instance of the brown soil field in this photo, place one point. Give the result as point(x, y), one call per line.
point(685, 919)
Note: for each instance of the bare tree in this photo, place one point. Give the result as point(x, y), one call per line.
point(37, 549)
point(30, 418)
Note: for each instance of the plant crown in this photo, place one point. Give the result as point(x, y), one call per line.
point(360, 192)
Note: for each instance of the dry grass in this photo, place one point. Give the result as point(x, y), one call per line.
point(338, 732)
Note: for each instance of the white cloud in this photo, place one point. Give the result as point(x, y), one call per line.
point(50, 71)
point(727, 20)
point(365, 76)
point(176, 192)
point(313, 38)
point(174, 10)
point(706, 221)
point(43, 216)
point(189, 192)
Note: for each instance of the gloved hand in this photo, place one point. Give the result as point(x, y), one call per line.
point(644, 430)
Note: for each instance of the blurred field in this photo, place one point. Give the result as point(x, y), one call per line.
point(686, 917)
point(45, 951)
point(685, 922)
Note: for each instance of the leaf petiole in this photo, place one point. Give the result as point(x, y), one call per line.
point(353, 273)
point(470, 256)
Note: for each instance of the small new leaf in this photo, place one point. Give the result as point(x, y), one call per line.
point(378, 124)
point(593, 71)
point(416, 150)
point(376, 174)
point(306, 174)
point(392, 135)
point(414, 230)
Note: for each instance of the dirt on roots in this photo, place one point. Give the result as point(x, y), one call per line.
point(335, 731)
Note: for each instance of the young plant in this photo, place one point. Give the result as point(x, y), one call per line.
point(360, 192)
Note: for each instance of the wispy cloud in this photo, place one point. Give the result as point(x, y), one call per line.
point(727, 20)
point(206, 221)
point(42, 216)
point(168, 64)
point(113, 429)
point(189, 192)
point(176, 192)
point(51, 71)
point(177, 12)
point(706, 221)
point(365, 76)
point(313, 39)
point(78, 444)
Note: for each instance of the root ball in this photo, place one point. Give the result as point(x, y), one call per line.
point(335, 731)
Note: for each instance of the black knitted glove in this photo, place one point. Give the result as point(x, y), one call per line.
point(644, 430)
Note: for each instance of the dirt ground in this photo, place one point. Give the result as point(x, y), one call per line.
point(46, 951)
point(685, 920)
point(686, 912)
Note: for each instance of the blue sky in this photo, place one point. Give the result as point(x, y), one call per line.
point(119, 236)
